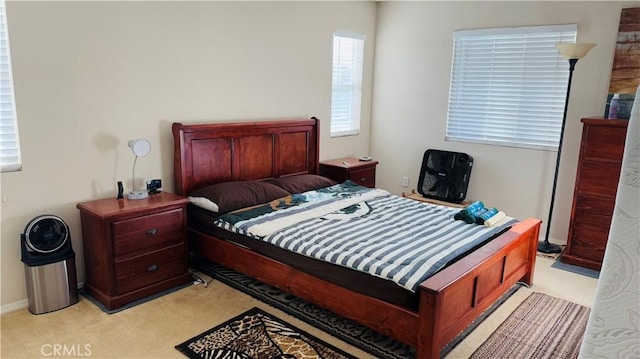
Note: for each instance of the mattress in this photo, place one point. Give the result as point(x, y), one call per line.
point(368, 279)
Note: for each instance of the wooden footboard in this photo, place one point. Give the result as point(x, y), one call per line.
point(452, 299)
point(449, 301)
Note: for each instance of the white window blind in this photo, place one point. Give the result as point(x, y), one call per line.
point(346, 90)
point(508, 86)
point(9, 145)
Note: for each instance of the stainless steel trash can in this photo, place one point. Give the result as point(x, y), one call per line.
point(49, 265)
point(51, 286)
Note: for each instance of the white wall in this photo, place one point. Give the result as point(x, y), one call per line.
point(412, 69)
point(89, 76)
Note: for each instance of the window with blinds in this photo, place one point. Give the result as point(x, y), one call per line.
point(9, 145)
point(346, 89)
point(508, 86)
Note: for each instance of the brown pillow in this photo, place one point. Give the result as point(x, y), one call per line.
point(229, 196)
point(302, 183)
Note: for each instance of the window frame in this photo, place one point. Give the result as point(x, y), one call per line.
point(511, 99)
point(345, 121)
point(9, 136)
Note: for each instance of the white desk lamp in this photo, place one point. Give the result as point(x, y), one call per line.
point(140, 148)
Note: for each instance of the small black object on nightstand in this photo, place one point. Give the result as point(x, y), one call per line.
point(154, 185)
point(120, 190)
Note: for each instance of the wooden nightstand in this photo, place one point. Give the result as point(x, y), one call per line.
point(134, 248)
point(360, 172)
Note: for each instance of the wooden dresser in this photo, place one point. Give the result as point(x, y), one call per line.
point(595, 191)
point(134, 248)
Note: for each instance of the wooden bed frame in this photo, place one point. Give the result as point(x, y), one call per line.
point(449, 301)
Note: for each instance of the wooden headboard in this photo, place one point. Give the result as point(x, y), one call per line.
point(205, 154)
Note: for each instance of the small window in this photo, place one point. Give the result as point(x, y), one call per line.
point(508, 86)
point(9, 145)
point(346, 89)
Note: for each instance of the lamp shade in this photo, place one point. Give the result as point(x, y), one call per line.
point(140, 147)
point(574, 51)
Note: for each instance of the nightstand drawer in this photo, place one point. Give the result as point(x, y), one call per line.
point(365, 177)
point(149, 268)
point(147, 233)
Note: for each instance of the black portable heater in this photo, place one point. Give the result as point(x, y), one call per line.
point(444, 175)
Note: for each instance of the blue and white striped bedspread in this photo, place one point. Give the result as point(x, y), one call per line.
point(387, 236)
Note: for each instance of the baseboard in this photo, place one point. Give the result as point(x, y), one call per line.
point(12, 307)
point(553, 240)
point(22, 304)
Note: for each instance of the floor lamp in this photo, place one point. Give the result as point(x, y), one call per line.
point(573, 52)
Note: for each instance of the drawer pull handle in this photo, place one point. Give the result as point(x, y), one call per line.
point(363, 179)
point(152, 231)
point(153, 268)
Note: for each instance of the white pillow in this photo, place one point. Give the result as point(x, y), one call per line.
point(204, 203)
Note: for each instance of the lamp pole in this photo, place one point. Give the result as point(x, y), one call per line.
point(573, 52)
point(546, 246)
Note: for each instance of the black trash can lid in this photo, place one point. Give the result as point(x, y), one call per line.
point(46, 233)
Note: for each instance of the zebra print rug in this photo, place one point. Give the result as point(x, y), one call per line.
point(257, 334)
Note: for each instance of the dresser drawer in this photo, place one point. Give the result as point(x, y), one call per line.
point(147, 233)
point(588, 243)
point(137, 272)
point(605, 143)
point(593, 212)
point(365, 177)
point(600, 178)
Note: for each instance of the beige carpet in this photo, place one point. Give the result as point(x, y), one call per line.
point(152, 329)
